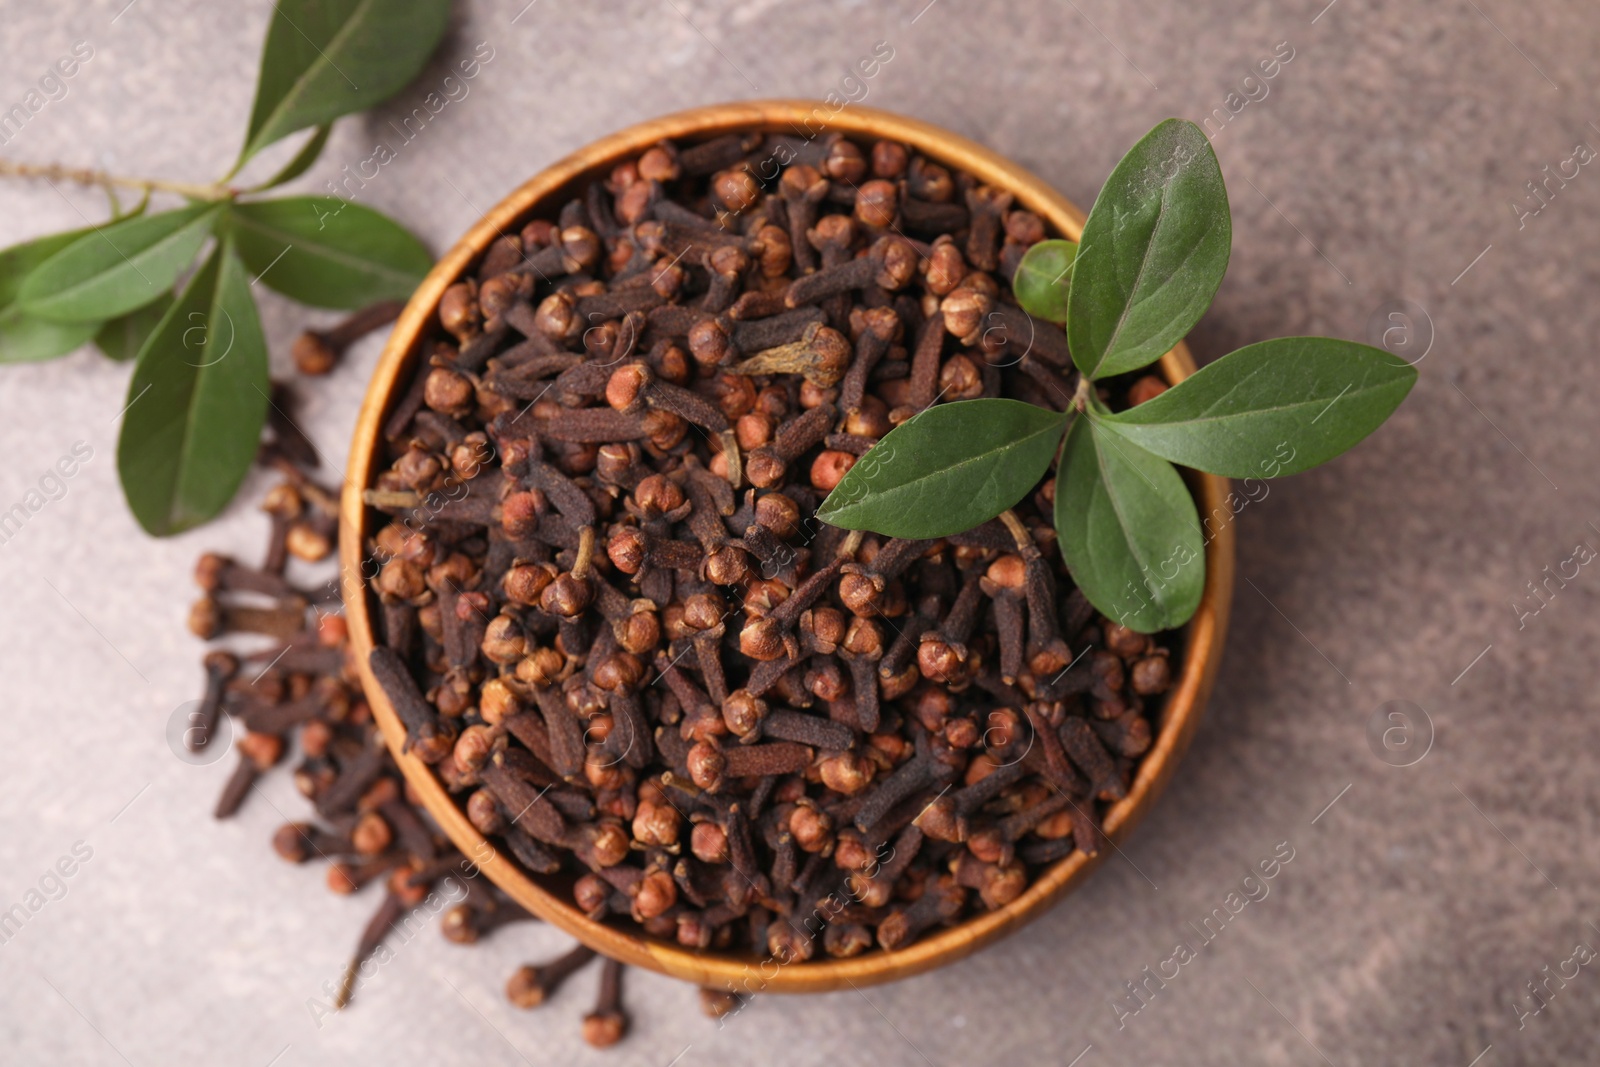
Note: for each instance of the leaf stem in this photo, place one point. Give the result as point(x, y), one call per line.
point(1020, 534)
point(851, 544)
point(85, 176)
point(1081, 398)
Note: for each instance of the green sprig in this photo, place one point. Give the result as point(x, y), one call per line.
point(197, 399)
point(1153, 253)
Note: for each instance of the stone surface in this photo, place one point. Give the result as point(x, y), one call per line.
point(1379, 166)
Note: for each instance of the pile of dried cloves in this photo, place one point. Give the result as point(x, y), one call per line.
point(612, 624)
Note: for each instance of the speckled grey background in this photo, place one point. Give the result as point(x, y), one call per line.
point(1380, 166)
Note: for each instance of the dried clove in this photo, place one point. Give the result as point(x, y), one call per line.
point(532, 984)
point(317, 351)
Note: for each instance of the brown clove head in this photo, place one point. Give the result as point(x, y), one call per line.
point(1151, 675)
point(292, 841)
point(312, 353)
point(877, 202)
point(940, 661)
point(764, 468)
point(655, 893)
point(458, 310)
point(706, 765)
point(525, 582)
point(448, 392)
point(762, 639)
point(846, 773)
point(627, 549)
point(592, 895)
point(709, 842)
point(811, 828)
point(900, 263)
point(859, 592)
point(639, 633)
point(802, 180)
point(1124, 641)
point(728, 565)
point(656, 495)
point(519, 513)
point(626, 387)
point(946, 267)
point(743, 712)
point(602, 1029)
point(829, 469)
point(567, 596)
point(864, 638)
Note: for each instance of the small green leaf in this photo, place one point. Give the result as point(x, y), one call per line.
point(121, 338)
point(117, 267)
point(328, 252)
point(117, 214)
point(1128, 530)
point(197, 401)
point(1043, 279)
point(326, 58)
point(947, 469)
point(301, 162)
point(1153, 252)
point(1273, 408)
point(24, 339)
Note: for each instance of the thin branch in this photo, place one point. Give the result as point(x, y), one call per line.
point(85, 176)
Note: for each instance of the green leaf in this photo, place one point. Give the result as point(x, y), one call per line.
point(1043, 278)
point(24, 338)
point(1153, 252)
point(117, 267)
point(197, 401)
point(334, 253)
point(18, 261)
point(121, 338)
point(947, 469)
point(117, 214)
point(326, 58)
point(1273, 408)
point(301, 162)
point(1128, 530)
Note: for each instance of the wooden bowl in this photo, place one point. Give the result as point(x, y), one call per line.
point(545, 192)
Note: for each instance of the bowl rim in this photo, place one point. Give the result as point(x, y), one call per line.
point(1203, 635)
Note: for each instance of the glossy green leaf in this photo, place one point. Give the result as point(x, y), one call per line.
point(1273, 408)
point(117, 267)
point(197, 401)
point(1153, 252)
point(1043, 279)
point(947, 469)
point(302, 160)
point(328, 252)
point(326, 58)
point(121, 338)
point(1128, 530)
point(23, 338)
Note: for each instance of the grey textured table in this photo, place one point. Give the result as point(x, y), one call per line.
point(1380, 166)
